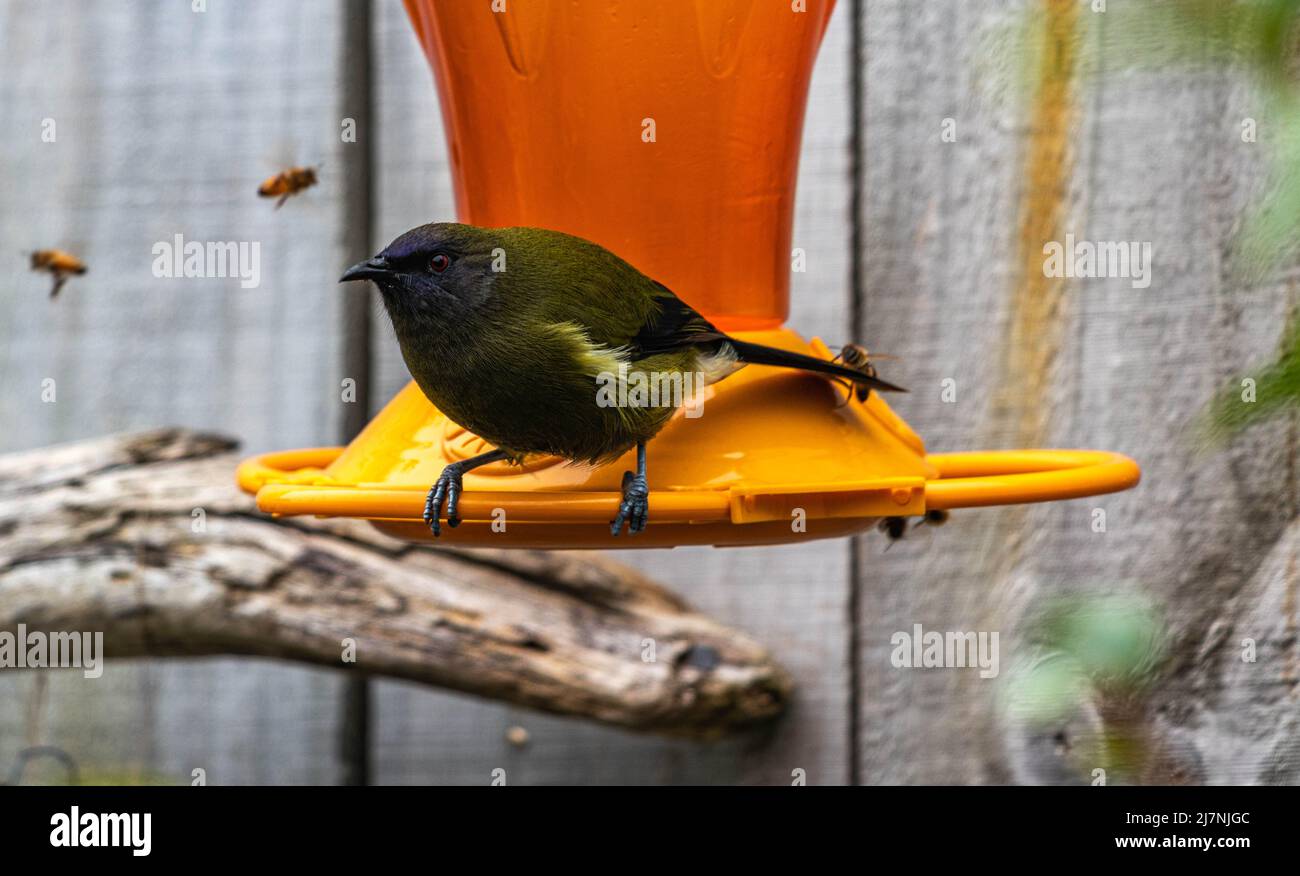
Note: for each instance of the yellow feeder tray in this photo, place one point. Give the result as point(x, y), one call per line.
point(536, 104)
point(775, 456)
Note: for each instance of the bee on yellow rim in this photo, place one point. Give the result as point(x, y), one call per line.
point(855, 356)
point(58, 264)
point(896, 527)
point(286, 183)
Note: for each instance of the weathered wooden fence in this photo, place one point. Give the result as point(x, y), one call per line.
point(166, 119)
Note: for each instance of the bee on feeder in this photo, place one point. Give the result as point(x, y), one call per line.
point(896, 527)
point(58, 264)
point(855, 356)
point(287, 183)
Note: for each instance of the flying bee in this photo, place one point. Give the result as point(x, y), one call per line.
point(286, 183)
point(58, 264)
point(855, 356)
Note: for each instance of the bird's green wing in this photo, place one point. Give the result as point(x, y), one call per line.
point(643, 318)
point(673, 325)
point(574, 281)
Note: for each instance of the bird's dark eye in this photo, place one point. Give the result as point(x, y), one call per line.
point(439, 262)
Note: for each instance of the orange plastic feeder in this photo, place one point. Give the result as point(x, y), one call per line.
point(669, 132)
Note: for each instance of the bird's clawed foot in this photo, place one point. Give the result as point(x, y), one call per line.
point(447, 489)
point(635, 506)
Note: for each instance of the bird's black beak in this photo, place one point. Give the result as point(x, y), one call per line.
point(376, 268)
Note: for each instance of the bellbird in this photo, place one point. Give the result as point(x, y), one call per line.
point(509, 331)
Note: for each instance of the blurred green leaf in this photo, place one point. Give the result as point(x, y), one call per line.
point(1270, 236)
point(1114, 639)
point(1108, 644)
point(1258, 36)
point(1049, 690)
point(1277, 388)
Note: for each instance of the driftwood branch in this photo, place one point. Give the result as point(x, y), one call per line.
point(145, 538)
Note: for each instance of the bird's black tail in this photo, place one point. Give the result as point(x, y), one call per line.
point(757, 354)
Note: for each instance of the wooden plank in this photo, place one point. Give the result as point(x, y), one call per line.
point(413, 181)
point(1150, 157)
point(938, 221)
point(793, 599)
point(357, 98)
point(167, 120)
point(1207, 535)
